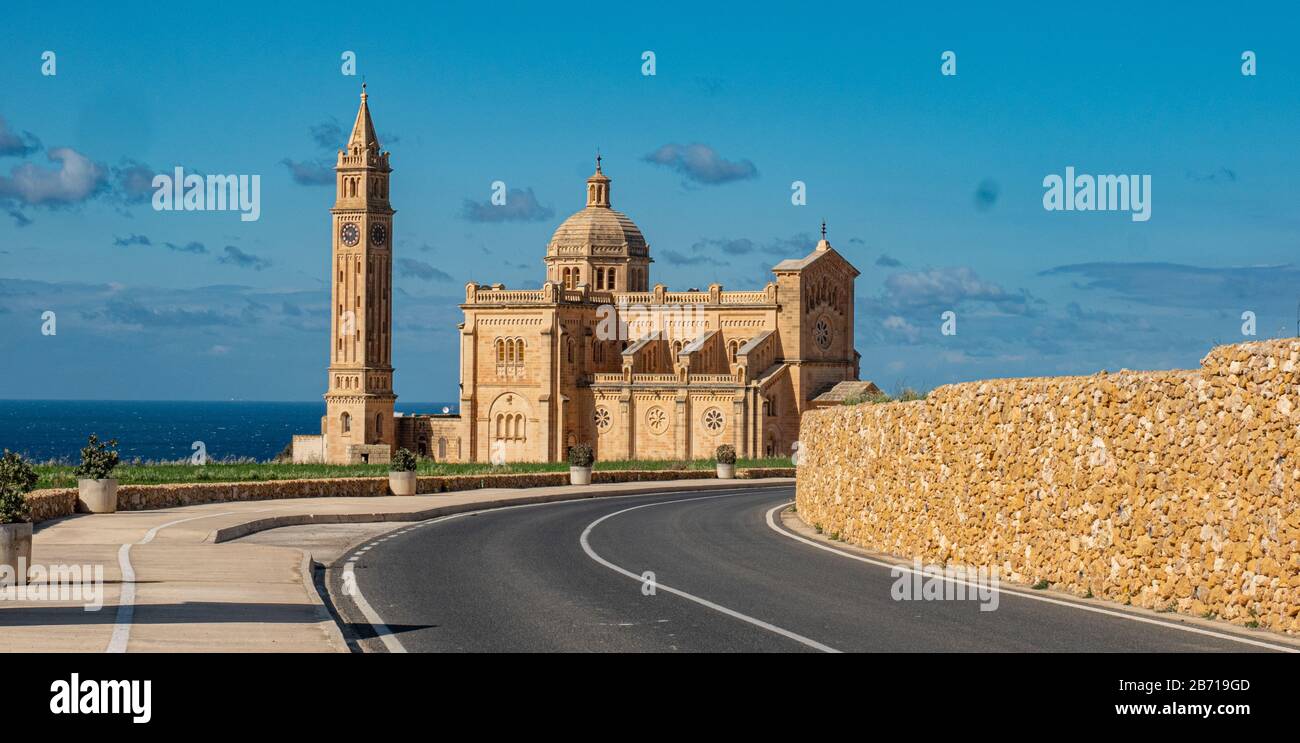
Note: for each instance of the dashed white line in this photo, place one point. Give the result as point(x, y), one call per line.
point(384, 632)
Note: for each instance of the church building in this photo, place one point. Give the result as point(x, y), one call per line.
point(597, 355)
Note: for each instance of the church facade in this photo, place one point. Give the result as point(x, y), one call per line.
point(597, 355)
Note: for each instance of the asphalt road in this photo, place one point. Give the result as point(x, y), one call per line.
point(520, 579)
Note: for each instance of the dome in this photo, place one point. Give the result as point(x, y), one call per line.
point(599, 229)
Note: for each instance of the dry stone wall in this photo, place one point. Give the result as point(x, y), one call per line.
point(53, 503)
point(1173, 490)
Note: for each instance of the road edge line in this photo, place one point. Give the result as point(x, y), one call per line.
point(349, 556)
point(771, 522)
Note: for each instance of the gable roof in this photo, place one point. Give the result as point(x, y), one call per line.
point(842, 391)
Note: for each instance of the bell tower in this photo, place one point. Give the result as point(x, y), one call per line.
point(359, 398)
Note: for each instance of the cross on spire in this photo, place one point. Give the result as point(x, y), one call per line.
point(823, 229)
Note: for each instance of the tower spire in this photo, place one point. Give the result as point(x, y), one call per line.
point(363, 131)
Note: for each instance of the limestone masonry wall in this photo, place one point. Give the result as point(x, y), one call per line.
point(53, 503)
point(1174, 490)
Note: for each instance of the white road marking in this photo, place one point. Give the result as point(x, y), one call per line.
point(385, 632)
point(771, 522)
point(382, 631)
point(126, 598)
point(586, 547)
point(125, 603)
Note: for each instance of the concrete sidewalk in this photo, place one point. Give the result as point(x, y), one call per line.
point(187, 589)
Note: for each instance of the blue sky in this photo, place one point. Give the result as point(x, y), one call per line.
point(932, 185)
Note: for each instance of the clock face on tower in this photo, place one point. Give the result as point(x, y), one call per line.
point(350, 234)
point(378, 234)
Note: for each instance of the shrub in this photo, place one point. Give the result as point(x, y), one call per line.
point(98, 459)
point(403, 461)
point(17, 478)
point(725, 454)
point(905, 394)
point(581, 455)
point(874, 398)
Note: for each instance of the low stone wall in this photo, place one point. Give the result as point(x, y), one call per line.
point(49, 504)
point(1175, 491)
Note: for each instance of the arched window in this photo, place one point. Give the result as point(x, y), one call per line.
point(569, 349)
point(501, 421)
point(519, 351)
point(600, 278)
point(609, 278)
point(731, 350)
point(422, 448)
point(519, 428)
point(568, 279)
point(501, 351)
point(345, 422)
point(442, 448)
point(510, 351)
point(577, 277)
point(379, 424)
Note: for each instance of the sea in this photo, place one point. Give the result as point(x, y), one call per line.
point(55, 430)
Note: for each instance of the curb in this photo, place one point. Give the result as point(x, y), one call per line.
point(333, 634)
point(228, 533)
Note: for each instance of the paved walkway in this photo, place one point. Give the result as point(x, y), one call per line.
point(174, 582)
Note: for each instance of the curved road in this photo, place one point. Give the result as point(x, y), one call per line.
point(560, 577)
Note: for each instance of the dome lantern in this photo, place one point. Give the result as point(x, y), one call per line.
point(599, 245)
point(598, 187)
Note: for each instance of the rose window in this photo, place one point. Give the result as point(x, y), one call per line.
point(657, 420)
point(822, 333)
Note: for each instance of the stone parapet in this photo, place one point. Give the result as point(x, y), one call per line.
point(53, 503)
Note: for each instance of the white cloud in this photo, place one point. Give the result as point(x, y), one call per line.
point(76, 179)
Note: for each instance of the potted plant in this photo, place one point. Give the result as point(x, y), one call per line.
point(17, 478)
point(401, 477)
point(95, 486)
point(726, 459)
point(581, 458)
